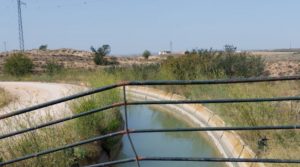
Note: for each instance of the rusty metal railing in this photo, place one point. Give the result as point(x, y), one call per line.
point(126, 131)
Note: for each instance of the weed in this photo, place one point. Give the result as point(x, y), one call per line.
point(52, 67)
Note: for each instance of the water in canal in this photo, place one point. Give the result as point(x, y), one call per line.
point(184, 144)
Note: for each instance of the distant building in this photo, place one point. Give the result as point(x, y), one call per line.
point(165, 52)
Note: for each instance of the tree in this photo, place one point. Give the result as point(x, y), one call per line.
point(100, 53)
point(43, 47)
point(187, 52)
point(146, 54)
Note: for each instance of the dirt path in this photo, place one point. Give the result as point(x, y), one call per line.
point(26, 94)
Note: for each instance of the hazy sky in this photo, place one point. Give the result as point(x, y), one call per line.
point(131, 26)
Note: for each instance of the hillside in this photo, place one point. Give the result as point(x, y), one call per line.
point(281, 63)
point(74, 59)
point(277, 63)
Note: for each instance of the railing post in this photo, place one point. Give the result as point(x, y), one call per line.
point(126, 127)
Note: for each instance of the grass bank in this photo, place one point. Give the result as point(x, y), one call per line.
point(68, 132)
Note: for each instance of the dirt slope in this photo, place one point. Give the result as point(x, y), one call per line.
point(26, 94)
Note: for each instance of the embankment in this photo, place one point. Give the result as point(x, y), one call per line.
point(228, 143)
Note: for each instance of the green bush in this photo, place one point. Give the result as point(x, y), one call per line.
point(53, 67)
point(241, 65)
point(18, 64)
point(146, 54)
point(191, 66)
point(43, 47)
point(99, 123)
point(212, 63)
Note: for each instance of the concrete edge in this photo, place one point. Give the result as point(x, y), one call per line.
point(229, 143)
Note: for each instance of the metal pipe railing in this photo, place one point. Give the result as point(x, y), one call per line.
point(132, 131)
point(249, 100)
point(137, 83)
point(198, 159)
point(128, 131)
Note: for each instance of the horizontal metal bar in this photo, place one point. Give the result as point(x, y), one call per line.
point(246, 100)
point(211, 159)
point(53, 102)
point(288, 127)
point(123, 161)
point(222, 81)
point(60, 120)
point(63, 147)
point(136, 83)
point(199, 159)
point(150, 131)
point(151, 103)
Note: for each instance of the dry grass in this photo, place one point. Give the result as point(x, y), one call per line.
point(36, 141)
point(4, 97)
point(281, 144)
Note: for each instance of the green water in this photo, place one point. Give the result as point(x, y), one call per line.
point(184, 144)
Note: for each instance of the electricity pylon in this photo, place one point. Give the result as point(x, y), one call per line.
point(21, 37)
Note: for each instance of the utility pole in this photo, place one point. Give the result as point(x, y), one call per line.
point(21, 37)
point(4, 44)
point(171, 46)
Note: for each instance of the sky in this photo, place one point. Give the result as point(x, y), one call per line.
point(131, 26)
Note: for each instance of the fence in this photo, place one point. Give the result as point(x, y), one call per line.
point(126, 131)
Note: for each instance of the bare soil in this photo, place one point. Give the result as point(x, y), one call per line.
point(281, 63)
point(27, 94)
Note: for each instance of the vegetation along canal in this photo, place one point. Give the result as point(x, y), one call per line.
point(183, 144)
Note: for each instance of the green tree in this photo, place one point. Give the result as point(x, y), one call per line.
point(18, 64)
point(187, 52)
point(43, 47)
point(100, 53)
point(146, 54)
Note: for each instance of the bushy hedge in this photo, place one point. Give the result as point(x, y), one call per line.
point(241, 65)
point(18, 64)
point(190, 66)
point(212, 63)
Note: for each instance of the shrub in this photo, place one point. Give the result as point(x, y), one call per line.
point(100, 53)
point(241, 65)
point(98, 123)
point(18, 64)
point(53, 67)
point(211, 63)
point(191, 66)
